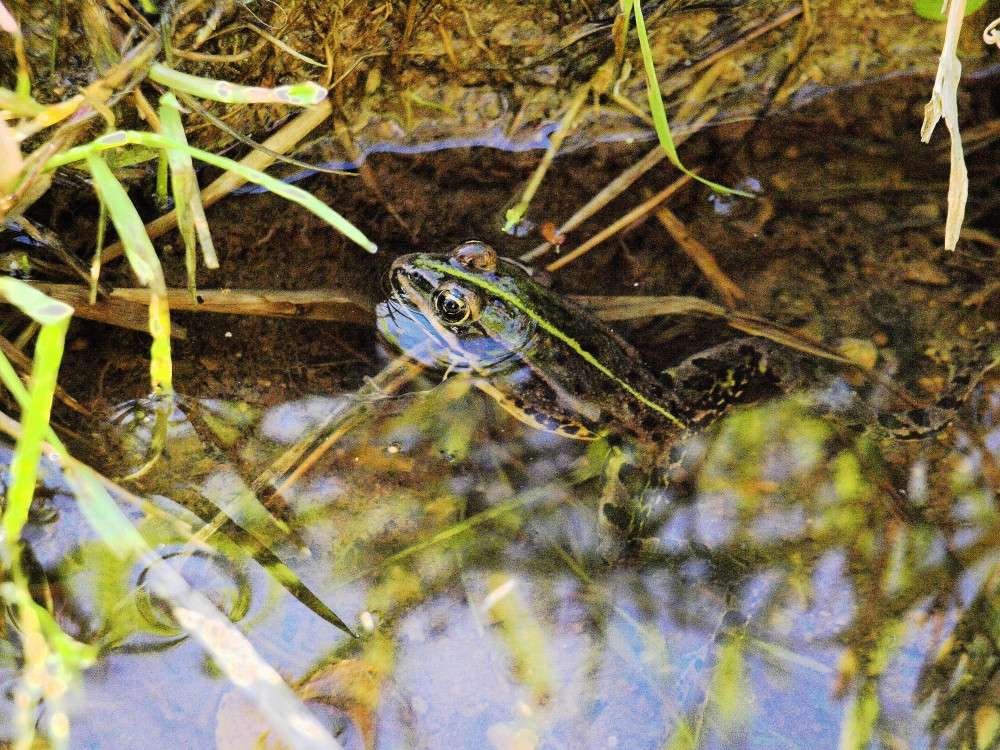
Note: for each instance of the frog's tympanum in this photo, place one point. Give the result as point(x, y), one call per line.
point(552, 364)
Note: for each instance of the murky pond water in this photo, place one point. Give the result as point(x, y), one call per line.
point(808, 579)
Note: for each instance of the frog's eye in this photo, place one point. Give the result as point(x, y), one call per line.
point(455, 304)
point(476, 255)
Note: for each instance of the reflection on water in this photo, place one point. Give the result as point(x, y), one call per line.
point(796, 597)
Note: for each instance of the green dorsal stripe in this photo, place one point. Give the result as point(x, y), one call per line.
point(547, 326)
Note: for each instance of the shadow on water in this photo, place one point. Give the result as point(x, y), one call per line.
point(814, 580)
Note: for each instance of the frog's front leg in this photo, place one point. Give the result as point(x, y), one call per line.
point(628, 499)
point(612, 506)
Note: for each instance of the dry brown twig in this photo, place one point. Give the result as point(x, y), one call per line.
point(312, 304)
point(701, 256)
point(637, 214)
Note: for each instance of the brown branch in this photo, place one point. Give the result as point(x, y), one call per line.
point(113, 310)
point(312, 304)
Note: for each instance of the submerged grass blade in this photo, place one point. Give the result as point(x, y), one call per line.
point(513, 215)
point(656, 107)
point(860, 715)
point(303, 94)
point(288, 192)
point(229, 648)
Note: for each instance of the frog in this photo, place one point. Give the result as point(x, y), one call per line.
point(555, 366)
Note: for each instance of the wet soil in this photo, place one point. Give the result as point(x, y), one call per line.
point(844, 241)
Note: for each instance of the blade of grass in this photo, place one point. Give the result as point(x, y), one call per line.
point(931, 9)
point(283, 140)
point(944, 102)
point(54, 317)
point(95, 265)
point(162, 175)
point(228, 647)
point(144, 262)
point(515, 213)
point(138, 247)
point(146, 265)
point(289, 192)
point(656, 107)
point(303, 94)
point(186, 191)
point(19, 106)
point(185, 187)
point(50, 657)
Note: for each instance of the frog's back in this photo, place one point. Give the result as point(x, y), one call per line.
point(577, 353)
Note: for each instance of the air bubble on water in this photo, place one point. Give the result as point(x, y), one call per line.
point(522, 228)
point(367, 621)
point(724, 204)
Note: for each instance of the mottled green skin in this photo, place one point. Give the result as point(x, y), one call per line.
point(552, 363)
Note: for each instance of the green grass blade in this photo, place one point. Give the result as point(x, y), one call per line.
point(95, 264)
point(289, 192)
point(656, 107)
point(160, 367)
point(184, 187)
point(54, 657)
point(95, 502)
point(931, 9)
point(53, 650)
point(18, 105)
point(54, 317)
point(187, 196)
point(127, 222)
point(162, 171)
point(37, 306)
point(303, 94)
point(144, 262)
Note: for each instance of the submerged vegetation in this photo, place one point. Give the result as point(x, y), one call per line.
point(785, 548)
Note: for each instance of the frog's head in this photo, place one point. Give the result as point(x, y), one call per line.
point(465, 310)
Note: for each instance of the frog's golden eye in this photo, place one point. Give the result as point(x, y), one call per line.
point(456, 304)
point(476, 255)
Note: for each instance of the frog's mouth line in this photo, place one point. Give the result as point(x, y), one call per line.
point(407, 292)
point(399, 289)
